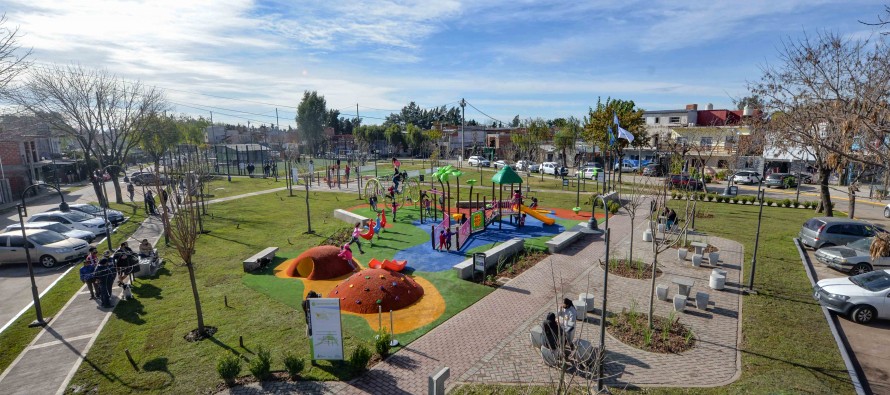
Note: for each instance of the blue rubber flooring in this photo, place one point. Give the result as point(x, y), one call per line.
point(424, 258)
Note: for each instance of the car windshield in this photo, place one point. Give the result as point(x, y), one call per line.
point(44, 238)
point(861, 244)
point(872, 281)
point(78, 216)
point(89, 208)
point(57, 227)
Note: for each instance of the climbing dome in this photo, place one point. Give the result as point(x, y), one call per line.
point(318, 263)
point(364, 291)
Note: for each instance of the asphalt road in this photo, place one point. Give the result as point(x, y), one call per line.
point(869, 343)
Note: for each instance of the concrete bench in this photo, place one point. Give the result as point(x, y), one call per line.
point(257, 175)
point(349, 217)
point(562, 240)
point(492, 257)
point(255, 261)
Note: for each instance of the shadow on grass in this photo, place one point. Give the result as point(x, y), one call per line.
point(159, 365)
point(130, 311)
point(339, 369)
point(146, 290)
point(230, 240)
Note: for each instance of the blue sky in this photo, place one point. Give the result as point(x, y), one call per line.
point(535, 59)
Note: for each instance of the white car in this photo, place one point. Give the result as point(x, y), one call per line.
point(549, 167)
point(887, 211)
point(853, 258)
point(626, 168)
point(55, 227)
point(73, 220)
point(527, 165)
point(588, 172)
point(46, 247)
point(863, 297)
point(500, 163)
point(746, 177)
point(478, 161)
point(114, 216)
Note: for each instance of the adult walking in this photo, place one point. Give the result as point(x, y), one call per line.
point(131, 191)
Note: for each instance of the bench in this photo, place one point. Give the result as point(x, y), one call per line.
point(562, 240)
point(349, 217)
point(256, 261)
point(492, 257)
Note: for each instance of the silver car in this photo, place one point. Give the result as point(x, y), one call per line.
point(853, 258)
point(73, 220)
point(55, 227)
point(821, 232)
point(114, 216)
point(46, 247)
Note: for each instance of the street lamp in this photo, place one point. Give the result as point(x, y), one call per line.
point(23, 212)
point(760, 194)
point(593, 227)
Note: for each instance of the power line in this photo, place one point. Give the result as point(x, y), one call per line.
point(480, 111)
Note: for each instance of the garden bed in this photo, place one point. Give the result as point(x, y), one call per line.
point(513, 266)
point(667, 336)
point(636, 269)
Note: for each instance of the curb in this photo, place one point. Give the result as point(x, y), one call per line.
point(853, 368)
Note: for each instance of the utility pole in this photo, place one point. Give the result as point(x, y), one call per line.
point(463, 106)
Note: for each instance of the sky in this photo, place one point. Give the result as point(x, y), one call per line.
point(243, 59)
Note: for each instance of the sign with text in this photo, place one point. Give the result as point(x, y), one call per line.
point(327, 331)
point(477, 221)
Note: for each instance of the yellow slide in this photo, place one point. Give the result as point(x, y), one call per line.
point(536, 214)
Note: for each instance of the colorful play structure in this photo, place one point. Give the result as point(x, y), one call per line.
point(375, 227)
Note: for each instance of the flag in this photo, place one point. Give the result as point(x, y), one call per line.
point(611, 137)
point(622, 133)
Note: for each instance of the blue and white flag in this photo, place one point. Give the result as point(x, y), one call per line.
point(622, 133)
point(611, 137)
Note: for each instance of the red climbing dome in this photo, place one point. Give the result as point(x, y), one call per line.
point(318, 263)
point(364, 291)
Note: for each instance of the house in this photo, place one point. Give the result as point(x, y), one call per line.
point(28, 150)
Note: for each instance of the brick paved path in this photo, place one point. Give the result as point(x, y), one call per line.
point(489, 342)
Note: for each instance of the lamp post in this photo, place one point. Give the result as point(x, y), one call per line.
point(599, 377)
point(23, 212)
point(760, 194)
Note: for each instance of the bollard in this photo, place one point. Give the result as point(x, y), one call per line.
point(241, 341)
point(393, 342)
point(226, 300)
point(130, 358)
point(436, 381)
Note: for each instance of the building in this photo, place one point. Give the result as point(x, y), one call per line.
point(28, 154)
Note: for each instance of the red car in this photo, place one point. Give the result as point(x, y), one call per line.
point(677, 181)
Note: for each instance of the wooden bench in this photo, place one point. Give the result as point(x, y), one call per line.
point(492, 257)
point(349, 217)
point(255, 261)
point(562, 240)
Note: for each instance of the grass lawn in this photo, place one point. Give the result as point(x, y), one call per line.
point(153, 325)
point(220, 187)
point(17, 336)
point(786, 346)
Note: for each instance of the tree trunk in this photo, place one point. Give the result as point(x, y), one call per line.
point(851, 192)
point(824, 192)
point(630, 254)
point(652, 285)
point(118, 196)
point(198, 310)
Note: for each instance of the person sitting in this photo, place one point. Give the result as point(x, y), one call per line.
point(554, 336)
point(671, 219)
point(569, 315)
point(145, 248)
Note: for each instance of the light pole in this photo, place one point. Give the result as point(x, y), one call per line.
point(756, 237)
point(23, 212)
point(592, 225)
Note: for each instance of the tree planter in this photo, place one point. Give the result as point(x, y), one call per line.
point(681, 253)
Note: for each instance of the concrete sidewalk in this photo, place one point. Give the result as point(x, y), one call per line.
point(51, 359)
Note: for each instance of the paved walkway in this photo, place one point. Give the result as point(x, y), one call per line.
point(51, 359)
point(489, 341)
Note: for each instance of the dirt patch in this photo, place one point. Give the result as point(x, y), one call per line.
point(668, 335)
point(513, 267)
point(338, 238)
point(636, 269)
point(194, 335)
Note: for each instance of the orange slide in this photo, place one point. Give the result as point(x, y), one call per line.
point(391, 265)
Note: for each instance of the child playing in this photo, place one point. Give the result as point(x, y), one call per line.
point(373, 202)
point(521, 221)
point(356, 232)
point(448, 236)
point(534, 203)
point(517, 199)
point(395, 206)
point(391, 192)
point(346, 254)
point(441, 239)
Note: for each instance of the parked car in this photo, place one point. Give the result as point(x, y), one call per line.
point(73, 220)
point(819, 232)
point(114, 216)
point(588, 172)
point(626, 167)
point(862, 297)
point(549, 167)
point(500, 163)
point(527, 165)
point(853, 258)
point(887, 211)
point(477, 161)
point(148, 179)
point(746, 177)
point(781, 180)
point(46, 247)
point(55, 227)
point(653, 170)
point(678, 181)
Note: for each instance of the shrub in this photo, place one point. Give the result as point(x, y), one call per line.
point(673, 195)
point(795, 204)
point(229, 367)
point(293, 364)
point(786, 203)
point(260, 367)
point(708, 179)
point(721, 175)
point(360, 357)
point(701, 196)
point(807, 204)
point(381, 343)
point(613, 207)
point(711, 197)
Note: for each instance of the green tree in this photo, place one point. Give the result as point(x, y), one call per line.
point(159, 134)
point(395, 138)
point(311, 118)
point(415, 137)
point(567, 136)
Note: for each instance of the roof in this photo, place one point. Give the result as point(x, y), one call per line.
point(506, 176)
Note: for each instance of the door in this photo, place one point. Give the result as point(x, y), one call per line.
point(16, 251)
point(884, 308)
point(843, 234)
point(4, 250)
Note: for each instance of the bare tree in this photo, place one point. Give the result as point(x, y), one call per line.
point(633, 196)
point(13, 60)
point(102, 112)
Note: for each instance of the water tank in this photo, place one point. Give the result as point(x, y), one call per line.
point(746, 112)
point(710, 107)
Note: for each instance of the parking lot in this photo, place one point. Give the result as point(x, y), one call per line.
point(868, 344)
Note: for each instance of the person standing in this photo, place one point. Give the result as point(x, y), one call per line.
point(131, 191)
point(310, 295)
point(150, 203)
point(88, 270)
point(311, 171)
point(347, 172)
point(569, 315)
point(164, 197)
point(105, 279)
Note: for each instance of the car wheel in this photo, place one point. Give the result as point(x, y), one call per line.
point(887, 212)
point(860, 268)
point(47, 261)
point(863, 314)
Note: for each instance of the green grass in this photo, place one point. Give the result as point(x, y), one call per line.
point(787, 346)
point(220, 187)
point(152, 326)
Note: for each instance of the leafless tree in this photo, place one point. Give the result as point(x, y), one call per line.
point(101, 111)
point(634, 195)
point(13, 60)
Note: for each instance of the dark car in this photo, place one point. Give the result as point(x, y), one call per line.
point(653, 170)
point(147, 179)
point(677, 181)
point(781, 180)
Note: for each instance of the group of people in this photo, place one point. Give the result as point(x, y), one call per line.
point(100, 273)
point(670, 217)
point(558, 335)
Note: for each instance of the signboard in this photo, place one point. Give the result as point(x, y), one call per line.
point(565, 182)
point(477, 221)
point(479, 262)
point(327, 332)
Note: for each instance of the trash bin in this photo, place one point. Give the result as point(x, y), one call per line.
point(421, 178)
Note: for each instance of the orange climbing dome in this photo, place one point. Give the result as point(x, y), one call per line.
point(363, 291)
point(319, 263)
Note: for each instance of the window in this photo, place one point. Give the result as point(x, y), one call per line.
point(706, 141)
point(657, 120)
point(3, 241)
point(16, 241)
point(674, 120)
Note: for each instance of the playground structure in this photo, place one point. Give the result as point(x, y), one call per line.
point(362, 292)
point(388, 264)
point(318, 263)
point(375, 227)
point(408, 191)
